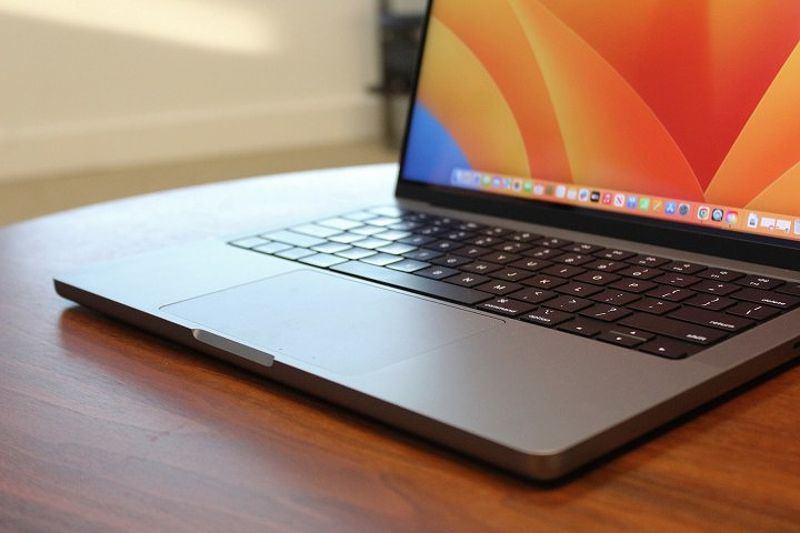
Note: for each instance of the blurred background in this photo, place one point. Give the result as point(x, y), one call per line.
point(103, 99)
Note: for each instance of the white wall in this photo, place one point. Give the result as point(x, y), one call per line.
point(93, 83)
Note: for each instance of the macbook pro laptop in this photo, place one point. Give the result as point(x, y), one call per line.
point(596, 229)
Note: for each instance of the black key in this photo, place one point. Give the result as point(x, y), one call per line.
point(469, 226)
point(720, 275)
point(619, 340)
point(579, 289)
point(423, 255)
point(430, 231)
point(458, 235)
point(674, 328)
point(712, 319)
point(568, 303)
point(467, 279)
point(481, 267)
point(496, 232)
point(546, 317)
point(542, 253)
point(530, 264)
point(574, 259)
point(718, 288)
point(414, 216)
point(437, 272)
point(656, 307)
point(710, 302)
point(452, 261)
point(512, 247)
point(563, 271)
point(500, 257)
point(605, 312)
point(606, 266)
point(413, 282)
point(648, 261)
point(501, 288)
point(534, 296)
point(677, 280)
point(760, 282)
point(582, 327)
point(453, 234)
point(615, 297)
point(582, 248)
point(682, 267)
point(511, 274)
point(486, 241)
point(774, 299)
point(614, 254)
point(644, 336)
point(633, 285)
point(669, 348)
point(524, 236)
point(444, 246)
point(416, 240)
point(506, 306)
point(442, 221)
point(472, 251)
point(553, 242)
point(545, 282)
point(640, 272)
point(671, 294)
point(754, 311)
point(790, 288)
point(597, 278)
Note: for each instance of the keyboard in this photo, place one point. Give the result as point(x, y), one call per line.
point(655, 305)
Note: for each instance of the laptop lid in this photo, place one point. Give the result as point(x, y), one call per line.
point(673, 122)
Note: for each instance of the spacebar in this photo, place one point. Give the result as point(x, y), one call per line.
point(414, 283)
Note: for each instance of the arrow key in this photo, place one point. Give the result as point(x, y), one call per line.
point(669, 348)
point(582, 327)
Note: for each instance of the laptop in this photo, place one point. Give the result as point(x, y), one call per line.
point(595, 230)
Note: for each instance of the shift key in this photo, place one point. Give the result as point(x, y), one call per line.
point(673, 328)
point(506, 306)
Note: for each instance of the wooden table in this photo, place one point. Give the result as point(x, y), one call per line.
point(103, 426)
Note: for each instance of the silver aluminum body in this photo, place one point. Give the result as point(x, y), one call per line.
point(528, 399)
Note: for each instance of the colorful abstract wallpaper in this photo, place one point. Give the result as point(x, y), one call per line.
point(697, 100)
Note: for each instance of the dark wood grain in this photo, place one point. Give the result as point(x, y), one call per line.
point(105, 427)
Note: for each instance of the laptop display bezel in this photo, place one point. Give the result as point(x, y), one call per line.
point(727, 244)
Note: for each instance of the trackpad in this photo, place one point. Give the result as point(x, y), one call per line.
point(342, 325)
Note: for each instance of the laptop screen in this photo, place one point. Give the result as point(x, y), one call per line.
point(678, 110)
